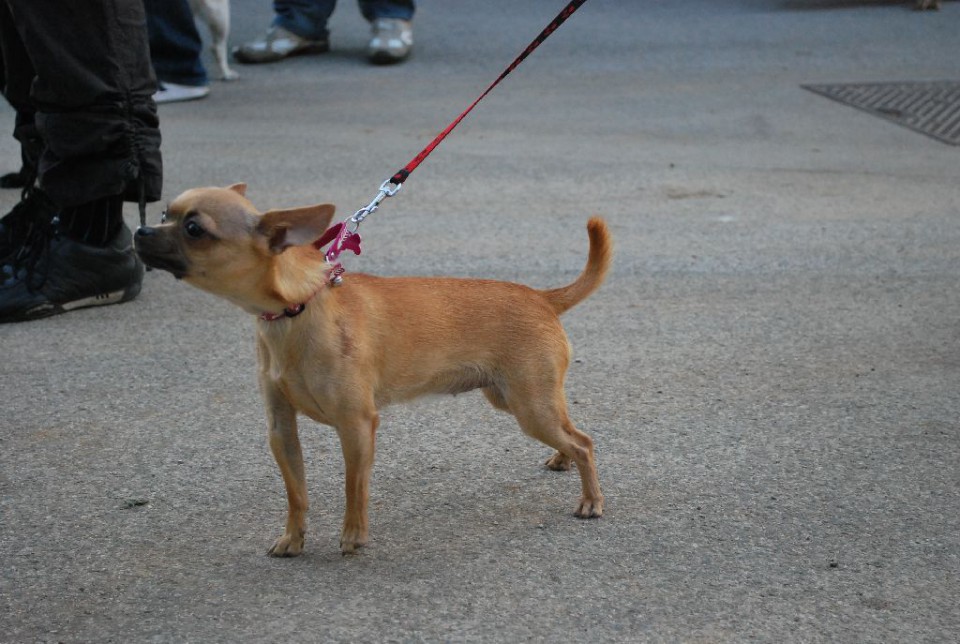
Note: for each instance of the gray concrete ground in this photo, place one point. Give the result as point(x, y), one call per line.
point(771, 372)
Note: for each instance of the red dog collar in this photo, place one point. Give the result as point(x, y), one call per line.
point(287, 313)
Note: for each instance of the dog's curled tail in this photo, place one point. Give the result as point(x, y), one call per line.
point(598, 263)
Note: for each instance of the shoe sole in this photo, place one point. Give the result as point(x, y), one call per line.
point(161, 98)
point(50, 309)
point(386, 58)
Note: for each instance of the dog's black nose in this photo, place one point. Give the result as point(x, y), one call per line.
point(145, 231)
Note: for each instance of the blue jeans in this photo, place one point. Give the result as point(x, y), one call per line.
point(308, 18)
point(175, 44)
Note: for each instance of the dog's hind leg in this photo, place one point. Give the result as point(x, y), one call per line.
point(220, 54)
point(558, 462)
point(545, 418)
point(357, 440)
point(217, 17)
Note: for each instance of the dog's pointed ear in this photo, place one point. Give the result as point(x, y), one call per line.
point(239, 188)
point(295, 227)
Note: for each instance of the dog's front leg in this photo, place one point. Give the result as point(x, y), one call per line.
point(285, 445)
point(357, 440)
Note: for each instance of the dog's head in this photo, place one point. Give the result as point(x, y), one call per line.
point(216, 240)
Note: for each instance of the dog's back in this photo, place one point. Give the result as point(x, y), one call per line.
point(449, 335)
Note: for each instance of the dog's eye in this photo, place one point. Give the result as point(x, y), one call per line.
point(193, 229)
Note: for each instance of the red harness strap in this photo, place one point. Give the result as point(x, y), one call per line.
point(402, 174)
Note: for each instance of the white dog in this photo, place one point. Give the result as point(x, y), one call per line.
point(216, 14)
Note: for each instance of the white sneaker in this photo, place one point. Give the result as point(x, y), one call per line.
point(391, 42)
point(173, 93)
point(277, 44)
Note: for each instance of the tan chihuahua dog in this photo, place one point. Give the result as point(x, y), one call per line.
point(339, 354)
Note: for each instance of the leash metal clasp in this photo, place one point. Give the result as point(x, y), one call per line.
point(345, 236)
point(387, 189)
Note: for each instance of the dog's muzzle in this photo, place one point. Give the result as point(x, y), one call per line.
point(159, 251)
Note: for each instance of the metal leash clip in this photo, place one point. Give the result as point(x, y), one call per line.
point(385, 191)
point(344, 236)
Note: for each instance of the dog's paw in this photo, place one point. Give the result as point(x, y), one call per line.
point(351, 541)
point(287, 546)
point(590, 509)
point(228, 75)
point(558, 462)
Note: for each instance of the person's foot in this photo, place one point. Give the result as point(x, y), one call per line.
point(391, 41)
point(277, 44)
point(174, 93)
point(49, 273)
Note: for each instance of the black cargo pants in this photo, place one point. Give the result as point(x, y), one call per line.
point(78, 73)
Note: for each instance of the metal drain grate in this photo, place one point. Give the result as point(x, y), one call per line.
point(931, 108)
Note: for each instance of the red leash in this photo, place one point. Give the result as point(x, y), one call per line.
point(404, 172)
point(344, 234)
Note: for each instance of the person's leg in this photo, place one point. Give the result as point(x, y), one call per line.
point(298, 27)
point(175, 44)
point(92, 89)
point(16, 89)
point(396, 9)
point(392, 33)
point(305, 18)
point(93, 92)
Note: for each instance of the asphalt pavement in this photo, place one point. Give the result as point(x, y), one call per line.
point(770, 372)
